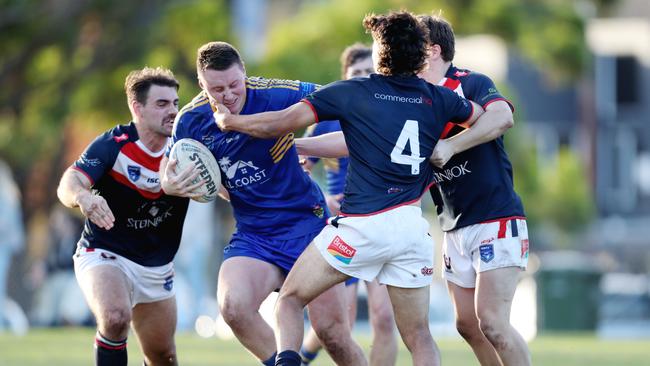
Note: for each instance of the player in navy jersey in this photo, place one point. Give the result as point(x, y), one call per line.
point(356, 61)
point(278, 208)
point(132, 231)
point(486, 239)
point(391, 122)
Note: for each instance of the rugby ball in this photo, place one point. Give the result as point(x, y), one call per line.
point(188, 151)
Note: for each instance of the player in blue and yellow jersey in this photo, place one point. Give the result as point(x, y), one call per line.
point(278, 208)
point(485, 243)
point(133, 229)
point(391, 122)
point(356, 61)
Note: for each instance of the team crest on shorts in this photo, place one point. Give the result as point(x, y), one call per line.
point(487, 252)
point(341, 250)
point(169, 283)
point(134, 172)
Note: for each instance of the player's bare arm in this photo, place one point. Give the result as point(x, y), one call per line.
point(178, 184)
point(328, 145)
point(496, 120)
point(74, 191)
point(268, 124)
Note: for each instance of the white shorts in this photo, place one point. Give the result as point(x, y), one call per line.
point(146, 284)
point(392, 246)
point(482, 247)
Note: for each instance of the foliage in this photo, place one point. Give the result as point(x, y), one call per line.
point(556, 192)
point(63, 62)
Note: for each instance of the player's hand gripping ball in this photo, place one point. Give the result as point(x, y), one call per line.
point(188, 151)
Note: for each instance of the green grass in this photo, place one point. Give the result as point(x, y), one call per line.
point(73, 346)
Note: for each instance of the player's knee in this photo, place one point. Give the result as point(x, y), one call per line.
point(383, 321)
point(162, 357)
point(333, 337)
point(289, 298)
point(468, 329)
point(494, 332)
point(416, 335)
point(114, 322)
point(235, 313)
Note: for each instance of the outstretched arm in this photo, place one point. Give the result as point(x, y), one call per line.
point(489, 126)
point(267, 124)
point(328, 145)
point(74, 191)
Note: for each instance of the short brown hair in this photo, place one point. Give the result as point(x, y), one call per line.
point(217, 56)
point(353, 54)
point(402, 40)
point(441, 33)
point(138, 82)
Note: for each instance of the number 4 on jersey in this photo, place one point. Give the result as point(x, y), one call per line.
point(410, 134)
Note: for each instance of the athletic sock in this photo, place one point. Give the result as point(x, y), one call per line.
point(109, 352)
point(271, 360)
point(307, 357)
point(288, 358)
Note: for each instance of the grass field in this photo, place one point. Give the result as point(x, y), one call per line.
point(73, 346)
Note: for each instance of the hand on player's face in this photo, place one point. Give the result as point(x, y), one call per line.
point(180, 184)
point(95, 208)
point(442, 152)
point(220, 116)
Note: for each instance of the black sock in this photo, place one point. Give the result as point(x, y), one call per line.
point(110, 353)
point(271, 360)
point(288, 358)
point(307, 357)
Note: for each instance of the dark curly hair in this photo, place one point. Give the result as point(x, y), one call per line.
point(441, 33)
point(402, 42)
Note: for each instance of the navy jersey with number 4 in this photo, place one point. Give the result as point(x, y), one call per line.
point(391, 125)
point(148, 223)
point(475, 185)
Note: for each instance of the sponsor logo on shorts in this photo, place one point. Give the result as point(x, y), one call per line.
point(447, 263)
point(487, 241)
point(487, 252)
point(426, 271)
point(169, 283)
point(524, 248)
point(341, 250)
point(134, 172)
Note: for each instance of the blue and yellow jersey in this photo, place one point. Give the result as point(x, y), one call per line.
point(335, 169)
point(269, 192)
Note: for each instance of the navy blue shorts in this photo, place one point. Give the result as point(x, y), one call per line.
point(281, 253)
